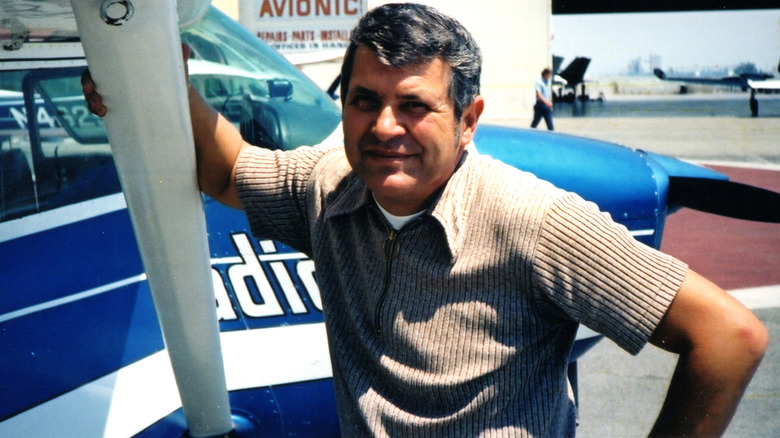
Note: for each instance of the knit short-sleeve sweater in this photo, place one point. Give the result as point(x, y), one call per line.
point(461, 323)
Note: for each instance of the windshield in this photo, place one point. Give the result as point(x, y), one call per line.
point(268, 98)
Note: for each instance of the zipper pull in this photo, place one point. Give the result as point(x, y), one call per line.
point(391, 246)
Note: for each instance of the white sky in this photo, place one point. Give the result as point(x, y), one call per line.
point(683, 40)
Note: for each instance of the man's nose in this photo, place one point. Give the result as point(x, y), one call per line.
point(387, 125)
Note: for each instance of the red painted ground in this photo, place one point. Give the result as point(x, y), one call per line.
point(732, 253)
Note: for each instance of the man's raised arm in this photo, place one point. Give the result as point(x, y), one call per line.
point(217, 142)
point(217, 145)
point(720, 343)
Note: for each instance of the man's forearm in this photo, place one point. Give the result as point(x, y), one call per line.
point(218, 144)
point(720, 344)
point(701, 401)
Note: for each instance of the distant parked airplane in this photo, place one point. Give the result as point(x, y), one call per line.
point(570, 77)
point(753, 81)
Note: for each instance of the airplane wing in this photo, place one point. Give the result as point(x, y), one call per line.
point(730, 81)
point(746, 81)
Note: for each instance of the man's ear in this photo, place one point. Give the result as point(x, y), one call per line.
point(470, 118)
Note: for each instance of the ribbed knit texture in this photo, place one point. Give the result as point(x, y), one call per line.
point(467, 331)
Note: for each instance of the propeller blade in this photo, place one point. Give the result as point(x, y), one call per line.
point(725, 198)
point(134, 54)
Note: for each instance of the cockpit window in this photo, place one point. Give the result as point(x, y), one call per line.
point(63, 94)
point(53, 152)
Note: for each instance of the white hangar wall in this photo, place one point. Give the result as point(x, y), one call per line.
point(515, 37)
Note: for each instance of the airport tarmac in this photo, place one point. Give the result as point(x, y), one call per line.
point(731, 139)
point(670, 126)
point(621, 395)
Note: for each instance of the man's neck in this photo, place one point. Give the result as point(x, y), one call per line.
point(396, 221)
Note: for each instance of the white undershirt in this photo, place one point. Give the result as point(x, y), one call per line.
point(397, 222)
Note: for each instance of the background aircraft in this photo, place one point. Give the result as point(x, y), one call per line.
point(755, 82)
point(106, 316)
point(569, 78)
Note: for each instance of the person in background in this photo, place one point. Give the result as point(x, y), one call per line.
point(543, 108)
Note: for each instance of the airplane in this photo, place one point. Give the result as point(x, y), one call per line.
point(569, 78)
point(135, 306)
point(755, 82)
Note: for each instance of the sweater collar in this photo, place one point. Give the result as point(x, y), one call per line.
point(450, 209)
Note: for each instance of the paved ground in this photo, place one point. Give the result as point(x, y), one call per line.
point(620, 395)
point(729, 139)
point(735, 254)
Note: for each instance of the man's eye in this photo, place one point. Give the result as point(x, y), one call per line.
point(414, 107)
point(364, 103)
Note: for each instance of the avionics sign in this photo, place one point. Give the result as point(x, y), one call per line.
point(299, 26)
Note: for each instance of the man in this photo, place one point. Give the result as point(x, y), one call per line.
point(452, 284)
point(544, 104)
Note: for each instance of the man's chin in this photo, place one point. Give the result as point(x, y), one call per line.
point(393, 188)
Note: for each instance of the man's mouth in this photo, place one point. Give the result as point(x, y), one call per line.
point(395, 151)
point(386, 158)
point(385, 154)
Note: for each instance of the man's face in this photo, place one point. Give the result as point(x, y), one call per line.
point(400, 132)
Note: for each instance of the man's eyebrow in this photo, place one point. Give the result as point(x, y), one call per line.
point(365, 91)
point(410, 96)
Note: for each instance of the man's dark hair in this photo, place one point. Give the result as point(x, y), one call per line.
point(546, 71)
point(404, 34)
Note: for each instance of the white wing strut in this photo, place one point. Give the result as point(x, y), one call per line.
point(135, 58)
